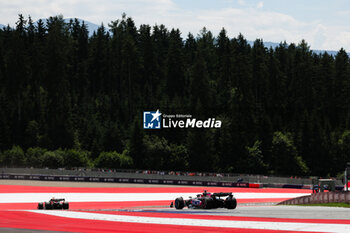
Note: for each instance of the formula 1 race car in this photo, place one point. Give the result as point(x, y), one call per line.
point(207, 201)
point(54, 203)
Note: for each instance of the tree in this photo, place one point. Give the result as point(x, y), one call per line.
point(205, 42)
point(224, 55)
point(225, 147)
point(34, 156)
point(61, 88)
point(175, 67)
point(341, 85)
point(76, 158)
point(136, 146)
point(113, 160)
point(342, 153)
point(149, 64)
point(52, 159)
point(286, 160)
point(156, 152)
point(179, 158)
point(14, 157)
point(112, 138)
point(200, 99)
point(200, 150)
point(255, 159)
point(32, 136)
point(60, 128)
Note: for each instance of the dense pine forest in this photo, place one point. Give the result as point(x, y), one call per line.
point(70, 100)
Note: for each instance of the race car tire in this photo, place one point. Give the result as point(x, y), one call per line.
point(65, 205)
point(40, 206)
point(230, 203)
point(208, 204)
point(179, 203)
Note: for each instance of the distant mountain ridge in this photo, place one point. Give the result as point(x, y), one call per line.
point(90, 26)
point(317, 51)
point(93, 27)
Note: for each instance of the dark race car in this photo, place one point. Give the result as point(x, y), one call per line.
point(54, 203)
point(207, 201)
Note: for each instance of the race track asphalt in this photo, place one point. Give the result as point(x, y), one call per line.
point(250, 209)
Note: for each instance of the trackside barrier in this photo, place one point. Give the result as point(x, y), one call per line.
point(297, 201)
point(151, 181)
point(317, 198)
point(254, 185)
point(289, 186)
point(293, 186)
point(328, 197)
point(123, 180)
point(215, 177)
point(269, 185)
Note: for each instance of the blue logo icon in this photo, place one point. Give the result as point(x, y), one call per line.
point(151, 120)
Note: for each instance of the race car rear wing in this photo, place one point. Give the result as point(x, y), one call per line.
point(221, 194)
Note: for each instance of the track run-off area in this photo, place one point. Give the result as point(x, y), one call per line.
point(145, 208)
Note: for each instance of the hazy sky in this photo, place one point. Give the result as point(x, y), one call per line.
point(324, 24)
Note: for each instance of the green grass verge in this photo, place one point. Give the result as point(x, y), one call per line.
point(332, 204)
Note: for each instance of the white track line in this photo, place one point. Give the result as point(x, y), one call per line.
point(116, 197)
point(285, 226)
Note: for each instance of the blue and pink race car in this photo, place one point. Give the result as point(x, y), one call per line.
point(207, 200)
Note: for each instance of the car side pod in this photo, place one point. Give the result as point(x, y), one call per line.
point(48, 206)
